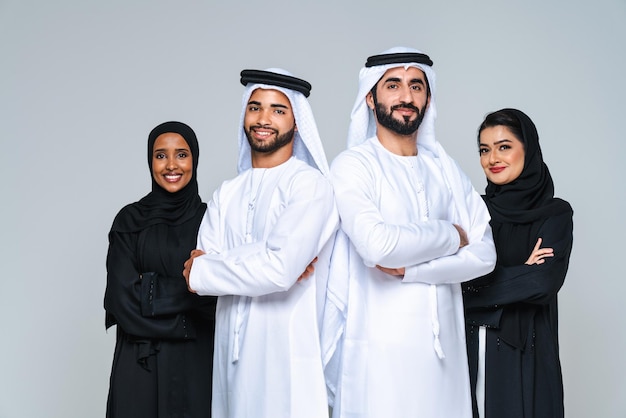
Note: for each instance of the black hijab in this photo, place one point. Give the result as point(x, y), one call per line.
point(160, 206)
point(530, 197)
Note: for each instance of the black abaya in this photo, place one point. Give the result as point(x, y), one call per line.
point(162, 365)
point(517, 303)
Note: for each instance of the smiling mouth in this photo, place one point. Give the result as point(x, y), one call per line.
point(265, 132)
point(172, 178)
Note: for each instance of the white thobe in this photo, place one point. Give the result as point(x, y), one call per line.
point(260, 231)
point(404, 349)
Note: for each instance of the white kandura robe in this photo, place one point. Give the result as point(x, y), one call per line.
point(267, 359)
point(404, 346)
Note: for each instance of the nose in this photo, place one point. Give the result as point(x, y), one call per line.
point(263, 118)
point(405, 95)
point(493, 157)
point(171, 164)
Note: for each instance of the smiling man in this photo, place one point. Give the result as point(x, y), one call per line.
point(416, 230)
point(260, 232)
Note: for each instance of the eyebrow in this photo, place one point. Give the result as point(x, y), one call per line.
point(282, 106)
point(398, 80)
point(165, 149)
point(501, 141)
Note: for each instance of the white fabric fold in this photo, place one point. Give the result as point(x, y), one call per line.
point(434, 320)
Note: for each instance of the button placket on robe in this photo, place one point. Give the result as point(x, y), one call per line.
point(243, 302)
point(422, 203)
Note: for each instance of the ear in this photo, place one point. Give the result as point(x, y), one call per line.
point(369, 99)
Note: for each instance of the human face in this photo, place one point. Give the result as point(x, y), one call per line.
point(269, 122)
point(172, 162)
point(401, 100)
point(501, 154)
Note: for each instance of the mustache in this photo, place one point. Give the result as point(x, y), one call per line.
point(259, 126)
point(405, 106)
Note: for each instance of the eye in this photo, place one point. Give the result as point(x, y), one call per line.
point(279, 111)
point(253, 108)
point(182, 155)
point(504, 147)
point(416, 87)
point(159, 156)
point(482, 151)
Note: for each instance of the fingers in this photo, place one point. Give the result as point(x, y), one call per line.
point(463, 240)
point(187, 266)
point(196, 253)
point(308, 270)
point(398, 272)
point(543, 254)
point(538, 255)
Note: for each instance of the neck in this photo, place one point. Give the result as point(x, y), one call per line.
point(271, 159)
point(403, 145)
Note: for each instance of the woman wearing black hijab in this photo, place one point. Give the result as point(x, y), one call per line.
point(512, 324)
point(162, 365)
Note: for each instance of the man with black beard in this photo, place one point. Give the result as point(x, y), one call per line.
point(259, 234)
point(412, 229)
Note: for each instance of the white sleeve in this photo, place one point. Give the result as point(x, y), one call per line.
point(474, 260)
point(306, 223)
point(378, 242)
point(209, 232)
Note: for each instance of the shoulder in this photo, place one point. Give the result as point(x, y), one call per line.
point(562, 214)
point(363, 155)
point(559, 214)
point(233, 183)
point(302, 172)
point(124, 216)
point(563, 206)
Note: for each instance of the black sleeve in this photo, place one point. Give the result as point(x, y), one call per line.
point(126, 294)
point(170, 295)
point(535, 284)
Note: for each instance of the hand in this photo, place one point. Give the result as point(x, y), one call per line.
point(539, 254)
point(393, 272)
point(308, 270)
point(188, 264)
point(462, 236)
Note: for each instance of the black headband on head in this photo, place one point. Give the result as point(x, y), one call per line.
point(275, 79)
point(399, 58)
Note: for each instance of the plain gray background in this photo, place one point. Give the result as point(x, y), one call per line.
point(83, 82)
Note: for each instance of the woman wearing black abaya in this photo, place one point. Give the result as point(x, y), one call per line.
point(512, 324)
point(162, 365)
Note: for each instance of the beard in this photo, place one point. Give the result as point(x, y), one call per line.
point(268, 147)
point(401, 127)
